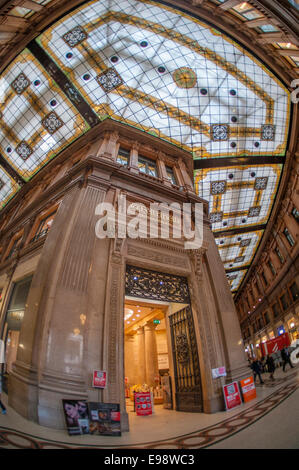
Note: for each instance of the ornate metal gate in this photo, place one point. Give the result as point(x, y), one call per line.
point(186, 363)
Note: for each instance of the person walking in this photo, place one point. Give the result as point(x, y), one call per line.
point(270, 366)
point(2, 360)
point(285, 356)
point(255, 366)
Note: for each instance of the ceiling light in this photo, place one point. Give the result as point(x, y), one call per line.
point(128, 313)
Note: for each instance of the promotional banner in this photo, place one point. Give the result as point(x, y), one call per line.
point(99, 379)
point(104, 419)
point(143, 403)
point(232, 395)
point(248, 389)
point(275, 344)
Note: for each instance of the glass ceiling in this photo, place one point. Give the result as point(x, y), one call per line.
point(168, 74)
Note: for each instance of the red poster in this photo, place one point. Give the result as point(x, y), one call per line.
point(276, 344)
point(99, 379)
point(248, 389)
point(143, 404)
point(232, 396)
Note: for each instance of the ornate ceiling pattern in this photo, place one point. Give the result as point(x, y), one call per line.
point(167, 73)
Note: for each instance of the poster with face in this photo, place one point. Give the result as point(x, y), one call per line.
point(104, 419)
point(76, 416)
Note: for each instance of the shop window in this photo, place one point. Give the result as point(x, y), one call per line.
point(276, 309)
point(171, 175)
point(14, 319)
point(280, 257)
point(123, 157)
point(284, 301)
point(271, 267)
point(295, 214)
point(294, 291)
point(147, 166)
point(289, 237)
point(44, 226)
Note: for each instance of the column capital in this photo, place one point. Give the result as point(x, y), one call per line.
point(150, 325)
point(140, 330)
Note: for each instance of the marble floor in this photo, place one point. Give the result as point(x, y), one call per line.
point(271, 421)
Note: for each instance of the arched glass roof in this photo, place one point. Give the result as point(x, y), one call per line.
point(171, 75)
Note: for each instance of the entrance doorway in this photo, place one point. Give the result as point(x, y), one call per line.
point(161, 353)
point(12, 326)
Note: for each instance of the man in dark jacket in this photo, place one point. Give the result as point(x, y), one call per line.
point(255, 366)
point(271, 366)
point(285, 356)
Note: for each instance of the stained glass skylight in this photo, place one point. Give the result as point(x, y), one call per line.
point(169, 74)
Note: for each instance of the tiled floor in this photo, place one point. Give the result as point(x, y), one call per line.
point(268, 422)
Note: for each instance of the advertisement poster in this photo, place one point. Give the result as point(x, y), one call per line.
point(275, 344)
point(104, 419)
point(232, 396)
point(76, 416)
point(248, 389)
point(220, 372)
point(99, 379)
point(143, 403)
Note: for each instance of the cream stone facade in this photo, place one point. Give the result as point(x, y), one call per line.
point(74, 316)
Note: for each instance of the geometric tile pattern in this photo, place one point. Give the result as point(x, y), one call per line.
point(30, 131)
point(20, 83)
point(52, 122)
point(75, 36)
point(167, 61)
point(109, 80)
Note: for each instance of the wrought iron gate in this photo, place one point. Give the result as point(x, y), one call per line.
point(186, 363)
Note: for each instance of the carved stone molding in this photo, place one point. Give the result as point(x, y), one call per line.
point(196, 257)
point(157, 256)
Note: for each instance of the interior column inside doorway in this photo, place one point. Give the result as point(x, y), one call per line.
point(151, 354)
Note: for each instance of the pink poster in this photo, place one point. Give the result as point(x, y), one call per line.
point(99, 379)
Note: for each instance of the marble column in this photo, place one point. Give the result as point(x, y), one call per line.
point(140, 340)
point(133, 165)
point(151, 354)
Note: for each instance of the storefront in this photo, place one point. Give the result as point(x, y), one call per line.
point(293, 329)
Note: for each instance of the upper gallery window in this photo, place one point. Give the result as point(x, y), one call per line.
point(271, 267)
point(44, 226)
point(295, 214)
point(294, 291)
point(123, 156)
point(289, 237)
point(278, 252)
point(171, 175)
point(13, 248)
point(147, 166)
